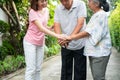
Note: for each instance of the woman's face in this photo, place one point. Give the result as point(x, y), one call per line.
point(92, 5)
point(66, 3)
point(42, 3)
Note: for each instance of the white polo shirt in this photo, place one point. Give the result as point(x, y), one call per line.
point(68, 21)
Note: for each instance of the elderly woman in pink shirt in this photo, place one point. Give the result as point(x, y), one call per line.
point(34, 39)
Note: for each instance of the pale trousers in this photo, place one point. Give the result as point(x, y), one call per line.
point(98, 67)
point(33, 58)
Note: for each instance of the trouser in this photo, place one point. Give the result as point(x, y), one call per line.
point(33, 58)
point(67, 64)
point(98, 67)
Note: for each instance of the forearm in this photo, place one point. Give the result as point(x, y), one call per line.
point(44, 29)
point(79, 35)
point(79, 26)
point(57, 28)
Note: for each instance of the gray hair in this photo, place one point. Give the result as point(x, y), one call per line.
point(103, 3)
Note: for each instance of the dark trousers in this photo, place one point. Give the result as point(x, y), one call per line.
point(68, 56)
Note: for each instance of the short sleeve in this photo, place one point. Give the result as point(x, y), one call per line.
point(82, 12)
point(33, 15)
point(56, 15)
point(97, 29)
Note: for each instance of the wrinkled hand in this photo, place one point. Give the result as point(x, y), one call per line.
point(63, 43)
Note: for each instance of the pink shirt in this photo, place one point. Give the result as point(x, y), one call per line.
point(34, 35)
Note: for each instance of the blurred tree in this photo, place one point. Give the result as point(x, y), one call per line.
point(113, 3)
point(16, 16)
point(114, 23)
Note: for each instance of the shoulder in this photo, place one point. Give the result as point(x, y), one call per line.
point(79, 2)
point(100, 17)
point(46, 10)
point(59, 7)
point(32, 11)
point(103, 14)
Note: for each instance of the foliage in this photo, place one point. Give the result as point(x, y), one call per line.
point(13, 32)
point(114, 23)
point(51, 15)
point(51, 8)
point(11, 64)
point(6, 49)
point(51, 47)
point(4, 27)
point(113, 3)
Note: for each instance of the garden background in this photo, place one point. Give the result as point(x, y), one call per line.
point(13, 31)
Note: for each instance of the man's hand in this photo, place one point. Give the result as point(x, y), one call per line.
point(63, 41)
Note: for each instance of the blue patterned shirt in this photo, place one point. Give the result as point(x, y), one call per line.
point(98, 44)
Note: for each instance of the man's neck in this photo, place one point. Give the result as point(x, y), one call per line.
point(70, 5)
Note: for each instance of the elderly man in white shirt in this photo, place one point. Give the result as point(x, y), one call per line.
point(69, 19)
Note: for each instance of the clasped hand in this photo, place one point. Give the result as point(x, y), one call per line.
point(63, 40)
